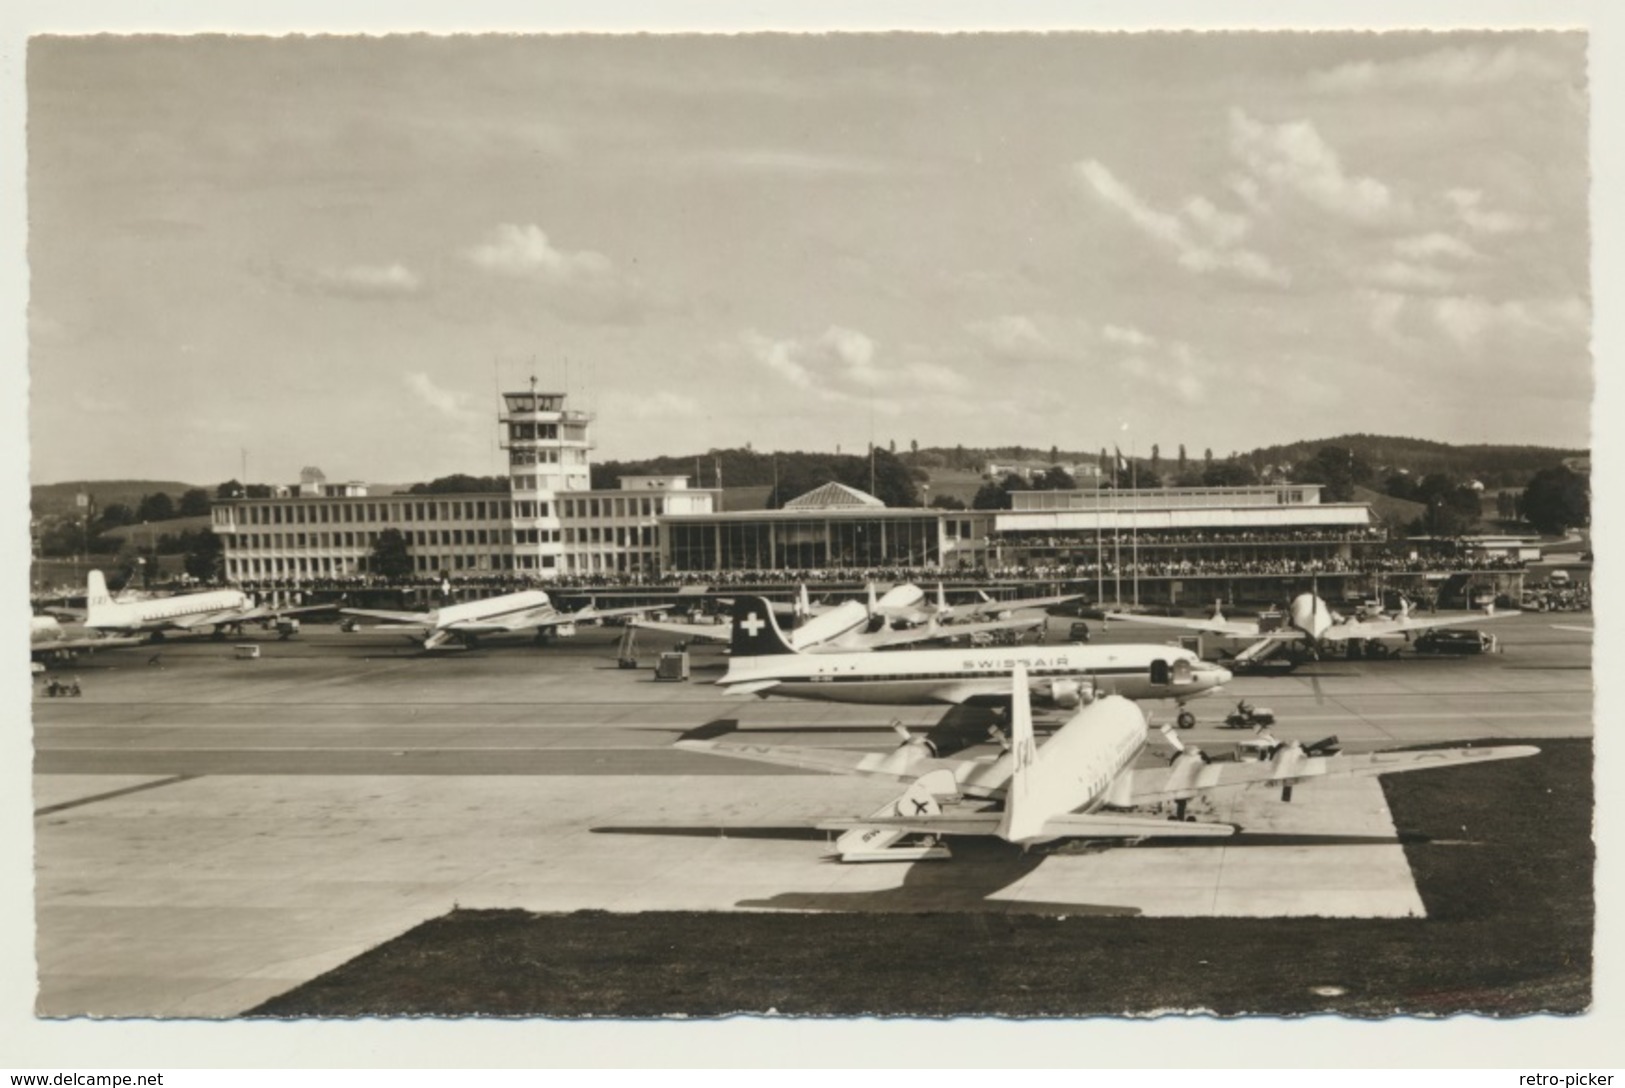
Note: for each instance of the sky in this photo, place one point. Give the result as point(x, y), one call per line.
point(335, 251)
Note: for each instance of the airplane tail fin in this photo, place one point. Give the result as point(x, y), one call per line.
point(803, 602)
point(942, 601)
point(1020, 822)
point(98, 602)
point(872, 603)
point(756, 630)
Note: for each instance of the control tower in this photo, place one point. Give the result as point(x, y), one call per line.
point(548, 452)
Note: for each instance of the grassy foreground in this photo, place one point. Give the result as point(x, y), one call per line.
point(1502, 854)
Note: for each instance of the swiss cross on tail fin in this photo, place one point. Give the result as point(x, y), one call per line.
point(755, 630)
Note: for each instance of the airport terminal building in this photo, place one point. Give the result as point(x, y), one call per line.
point(551, 525)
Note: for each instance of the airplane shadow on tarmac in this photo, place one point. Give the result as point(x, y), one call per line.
point(963, 885)
point(979, 869)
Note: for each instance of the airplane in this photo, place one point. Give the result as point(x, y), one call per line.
point(1075, 786)
point(905, 604)
point(47, 638)
point(223, 609)
point(1307, 620)
point(511, 613)
point(763, 662)
point(852, 627)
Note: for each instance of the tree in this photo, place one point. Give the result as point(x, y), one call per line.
point(1055, 478)
point(194, 503)
point(1055, 455)
point(1156, 459)
point(201, 554)
point(158, 507)
point(1207, 455)
point(947, 502)
point(1557, 499)
point(231, 489)
point(1228, 474)
point(460, 484)
point(1337, 469)
point(989, 497)
point(914, 446)
point(1182, 458)
point(391, 558)
point(112, 516)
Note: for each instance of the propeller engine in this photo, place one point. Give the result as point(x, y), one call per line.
point(911, 749)
point(1069, 694)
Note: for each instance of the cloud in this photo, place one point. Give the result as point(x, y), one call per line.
point(1293, 158)
point(843, 365)
point(1202, 237)
point(525, 252)
point(357, 281)
point(1470, 320)
point(1407, 275)
point(452, 405)
point(582, 285)
point(1469, 208)
point(1435, 244)
point(1127, 336)
point(369, 281)
point(1452, 67)
point(785, 162)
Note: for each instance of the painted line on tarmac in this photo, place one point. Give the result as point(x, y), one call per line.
point(110, 794)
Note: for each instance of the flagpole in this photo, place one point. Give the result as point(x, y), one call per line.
point(1134, 526)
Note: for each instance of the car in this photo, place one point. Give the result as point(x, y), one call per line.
point(1455, 642)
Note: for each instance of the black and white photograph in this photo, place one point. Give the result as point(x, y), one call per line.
point(902, 523)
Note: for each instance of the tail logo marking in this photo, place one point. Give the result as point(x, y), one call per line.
point(752, 625)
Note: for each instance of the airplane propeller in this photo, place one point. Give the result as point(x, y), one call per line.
point(910, 740)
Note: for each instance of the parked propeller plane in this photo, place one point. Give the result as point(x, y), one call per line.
point(224, 610)
point(511, 613)
point(1074, 786)
point(763, 662)
point(1308, 621)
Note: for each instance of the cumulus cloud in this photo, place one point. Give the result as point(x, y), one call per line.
point(1293, 158)
point(581, 285)
point(1202, 237)
point(843, 364)
point(525, 252)
point(1455, 66)
point(452, 405)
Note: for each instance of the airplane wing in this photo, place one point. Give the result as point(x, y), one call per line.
point(85, 642)
point(890, 637)
point(261, 612)
point(209, 619)
point(409, 619)
point(1342, 632)
point(592, 612)
point(1022, 604)
point(1087, 825)
point(1184, 780)
point(983, 777)
point(714, 632)
point(1233, 628)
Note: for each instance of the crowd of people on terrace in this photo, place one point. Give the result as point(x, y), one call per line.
point(497, 582)
point(1159, 537)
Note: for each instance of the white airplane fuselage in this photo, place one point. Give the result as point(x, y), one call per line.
point(920, 677)
point(1076, 769)
point(161, 612)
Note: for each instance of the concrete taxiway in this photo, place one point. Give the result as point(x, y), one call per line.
point(212, 831)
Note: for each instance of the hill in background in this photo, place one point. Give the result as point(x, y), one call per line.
point(62, 498)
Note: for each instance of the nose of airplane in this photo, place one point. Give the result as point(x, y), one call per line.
point(1220, 675)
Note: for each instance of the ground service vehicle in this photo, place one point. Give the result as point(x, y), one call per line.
point(1455, 642)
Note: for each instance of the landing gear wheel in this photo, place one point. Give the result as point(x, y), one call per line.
point(1186, 719)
